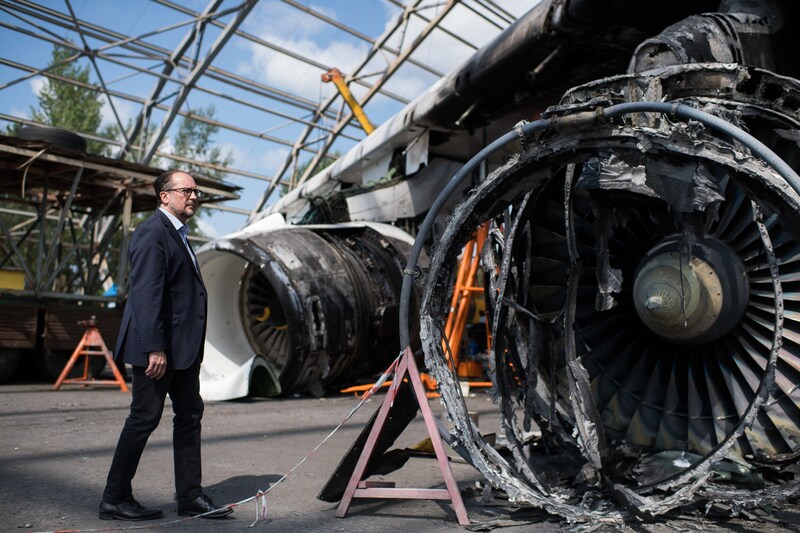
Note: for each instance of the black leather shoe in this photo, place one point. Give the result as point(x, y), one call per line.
point(202, 505)
point(130, 510)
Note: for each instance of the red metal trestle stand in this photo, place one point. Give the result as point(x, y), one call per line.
point(358, 488)
point(91, 345)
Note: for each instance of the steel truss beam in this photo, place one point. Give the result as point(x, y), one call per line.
point(392, 67)
point(299, 143)
point(51, 261)
point(139, 100)
point(280, 49)
point(169, 66)
point(195, 75)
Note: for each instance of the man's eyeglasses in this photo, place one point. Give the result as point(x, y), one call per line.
point(187, 191)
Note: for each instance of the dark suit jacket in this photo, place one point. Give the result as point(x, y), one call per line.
point(167, 303)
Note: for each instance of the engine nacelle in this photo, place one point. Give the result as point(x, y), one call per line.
point(300, 308)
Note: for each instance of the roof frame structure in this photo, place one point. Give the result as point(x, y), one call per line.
point(169, 66)
point(189, 67)
point(147, 50)
point(283, 50)
point(195, 74)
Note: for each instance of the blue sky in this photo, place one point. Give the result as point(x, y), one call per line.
point(272, 20)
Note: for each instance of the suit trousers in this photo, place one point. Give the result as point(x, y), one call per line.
point(147, 405)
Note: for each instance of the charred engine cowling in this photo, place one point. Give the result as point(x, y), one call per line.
point(310, 307)
point(641, 277)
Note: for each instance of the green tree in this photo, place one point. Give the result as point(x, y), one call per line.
point(70, 106)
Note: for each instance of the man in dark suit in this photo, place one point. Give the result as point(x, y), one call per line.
point(162, 337)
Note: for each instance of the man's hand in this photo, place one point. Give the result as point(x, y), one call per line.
point(158, 365)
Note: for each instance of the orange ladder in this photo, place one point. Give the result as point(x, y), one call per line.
point(464, 292)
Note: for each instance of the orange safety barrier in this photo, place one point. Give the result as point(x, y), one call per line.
point(91, 345)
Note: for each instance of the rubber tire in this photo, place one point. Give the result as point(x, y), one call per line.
point(55, 136)
point(9, 361)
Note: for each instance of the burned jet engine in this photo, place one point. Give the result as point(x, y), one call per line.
point(392, 176)
point(640, 276)
point(300, 309)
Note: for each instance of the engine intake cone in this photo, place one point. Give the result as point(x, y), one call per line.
point(695, 301)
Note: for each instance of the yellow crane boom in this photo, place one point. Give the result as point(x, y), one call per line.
point(335, 76)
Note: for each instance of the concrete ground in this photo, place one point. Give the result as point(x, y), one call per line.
point(56, 447)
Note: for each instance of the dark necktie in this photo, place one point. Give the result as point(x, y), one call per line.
point(183, 232)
